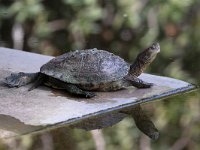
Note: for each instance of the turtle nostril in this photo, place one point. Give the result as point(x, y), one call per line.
point(156, 47)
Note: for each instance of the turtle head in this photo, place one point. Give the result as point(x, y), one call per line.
point(149, 54)
point(144, 59)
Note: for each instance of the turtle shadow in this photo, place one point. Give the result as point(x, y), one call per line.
point(63, 93)
point(100, 122)
point(127, 94)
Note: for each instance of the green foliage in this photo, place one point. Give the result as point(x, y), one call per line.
point(26, 9)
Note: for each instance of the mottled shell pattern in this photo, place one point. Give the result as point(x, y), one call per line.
point(90, 66)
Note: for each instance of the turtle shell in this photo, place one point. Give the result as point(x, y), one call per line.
point(90, 66)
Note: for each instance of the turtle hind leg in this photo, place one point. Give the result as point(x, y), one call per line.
point(73, 89)
point(20, 79)
point(39, 80)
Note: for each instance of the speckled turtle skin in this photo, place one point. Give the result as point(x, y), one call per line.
point(81, 72)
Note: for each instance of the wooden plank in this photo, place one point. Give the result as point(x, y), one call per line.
point(24, 112)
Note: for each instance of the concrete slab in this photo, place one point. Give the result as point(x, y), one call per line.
point(24, 112)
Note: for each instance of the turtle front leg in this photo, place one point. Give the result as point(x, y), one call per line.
point(20, 79)
point(73, 89)
point(140, 83)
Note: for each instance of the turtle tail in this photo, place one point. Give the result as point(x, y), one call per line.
point(20, 79)
point(40, 79)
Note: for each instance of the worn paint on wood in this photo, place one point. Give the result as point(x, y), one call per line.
point(24, 112)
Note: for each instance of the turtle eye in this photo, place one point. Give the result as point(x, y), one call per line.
point(153, 46)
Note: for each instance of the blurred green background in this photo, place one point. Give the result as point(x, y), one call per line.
point(124, 27)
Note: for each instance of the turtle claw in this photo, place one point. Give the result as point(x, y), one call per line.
point(89, 94)
point(140, 83)
point(147, 85)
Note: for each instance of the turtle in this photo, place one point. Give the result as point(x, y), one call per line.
point(82, 72)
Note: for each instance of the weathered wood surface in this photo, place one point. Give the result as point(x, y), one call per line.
point(24, 112)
